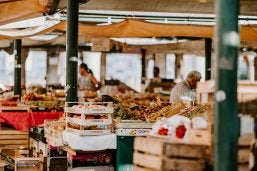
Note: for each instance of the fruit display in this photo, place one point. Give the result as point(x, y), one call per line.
point(9, 101)
point(41, 101)
point(89, 118)
point(38, 97)
point(194, 111)
point(124, 113)
point(149, 107)
point(166, 111)
point(131, 99)
point(135, 106)
point(147, 113)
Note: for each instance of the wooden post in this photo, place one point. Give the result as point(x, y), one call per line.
point(178, 65)
point(255, 68)
point(103, 67)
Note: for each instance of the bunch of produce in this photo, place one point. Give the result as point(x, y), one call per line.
point(40, 101)
point(58, 93)
point(9, 101)
point(142, 112)
point(130, 99)
point(38, 97)
point(123, 113)
point(194, 111)
point(166, 111)
point(132, 106)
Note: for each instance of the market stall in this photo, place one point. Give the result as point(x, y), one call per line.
point(154, 134)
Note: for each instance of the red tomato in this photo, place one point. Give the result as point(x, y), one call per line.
point(163, 131)
point(180, 131)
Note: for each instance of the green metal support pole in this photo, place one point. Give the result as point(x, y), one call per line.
point(72, 51)
point(226, 124)
point(17, 67)
point(208, 47)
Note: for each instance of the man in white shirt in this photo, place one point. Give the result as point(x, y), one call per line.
point(186, 88)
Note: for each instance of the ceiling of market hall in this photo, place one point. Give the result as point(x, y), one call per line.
point(109, 13)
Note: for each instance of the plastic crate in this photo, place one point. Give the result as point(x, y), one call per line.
point(94, 168)
point(57, 164)
point(56, 152)
point(96, 158)
point(89, 107)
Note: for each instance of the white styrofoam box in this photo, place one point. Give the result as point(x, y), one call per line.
point(89, 108)
point(132, 132)
point(89, 132)
point(42, 148)
point(35, 144)
point(88, 143)
point(125, 124)
point(246, 124)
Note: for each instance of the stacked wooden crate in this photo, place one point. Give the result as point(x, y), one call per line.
point(14, 139)
point(153, 154)
point(17, 162)
point(244, 152)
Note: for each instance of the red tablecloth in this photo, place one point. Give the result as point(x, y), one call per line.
point(23, 120)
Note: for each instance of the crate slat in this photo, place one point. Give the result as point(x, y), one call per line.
point(246, 140)
point(149, 161)
point(244, 155)
point(138, 168)
point(13, 142)
point(17, 146)
point(244, 167)
point(163, 147)
point(152, 146)
point(15, 137)
point(184, 150)
point(13, 132)
point(153, 154)
point(183, 164)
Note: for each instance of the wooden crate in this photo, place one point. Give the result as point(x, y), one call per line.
point(244, 151)
point(14, 139)
point(246, 90)
point(156, 154)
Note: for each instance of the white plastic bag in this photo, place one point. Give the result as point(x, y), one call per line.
point(199, 123)
point(178, 127)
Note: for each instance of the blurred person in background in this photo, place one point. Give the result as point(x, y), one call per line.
point(87, 81)
point(156, 77)
point(186, 88)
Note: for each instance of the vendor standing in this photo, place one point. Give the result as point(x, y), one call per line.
point(87, 81)
point(156, 75)
point(186, 88)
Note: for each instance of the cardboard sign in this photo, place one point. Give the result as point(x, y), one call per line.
point(100, 45)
